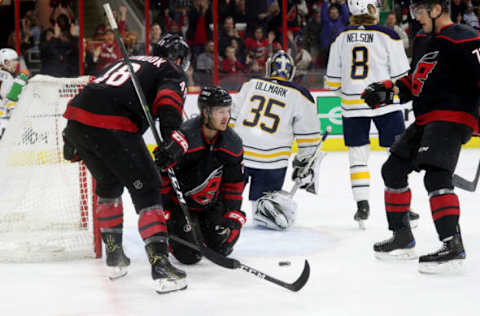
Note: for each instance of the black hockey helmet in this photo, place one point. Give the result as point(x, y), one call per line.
point(213, 96)
point(415, 4)
point(172, 47)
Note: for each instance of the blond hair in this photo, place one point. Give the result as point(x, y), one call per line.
point(363, 19)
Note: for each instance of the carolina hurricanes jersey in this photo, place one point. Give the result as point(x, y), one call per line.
point(361, 55)
point(268, 114)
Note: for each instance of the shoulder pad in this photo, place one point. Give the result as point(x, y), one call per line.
point(384, 29)
point(295, 86)
point(231, 144)
point(192, 130)
point(459, 33)
point(172, 71)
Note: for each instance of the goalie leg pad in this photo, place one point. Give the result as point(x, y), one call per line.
point(359, 174)
point(275, 210)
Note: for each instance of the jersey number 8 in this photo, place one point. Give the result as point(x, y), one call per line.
point(257, 111)
point(359, 68)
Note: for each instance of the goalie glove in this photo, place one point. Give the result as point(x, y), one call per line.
point(307, 179)
point(378, 94)
point(168, 154)
point(275, 210)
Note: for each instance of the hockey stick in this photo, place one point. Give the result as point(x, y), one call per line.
point(311, 160)
point(231, 263)
point(208, 253)
point(464, 184)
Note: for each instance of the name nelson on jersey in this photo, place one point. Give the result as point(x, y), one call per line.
point(360, 37)
point(267, 87)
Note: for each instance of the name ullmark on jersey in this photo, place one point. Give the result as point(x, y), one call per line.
point(271, 88)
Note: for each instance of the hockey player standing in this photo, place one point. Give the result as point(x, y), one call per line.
point(363, 53)
point(105, 126)
point(211, 175)
point(444, 85)
point(10, 86)
point(268, 114)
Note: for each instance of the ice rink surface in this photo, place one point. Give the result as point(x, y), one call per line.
point(345, 279)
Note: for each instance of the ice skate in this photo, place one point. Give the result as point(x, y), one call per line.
point(414, 217)
point(166, 277)
point(448, 259)
point(363, 211)
point(117, 261)
point(401, 246)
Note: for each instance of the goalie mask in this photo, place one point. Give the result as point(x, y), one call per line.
point(172, 47)
point(8, 59)
point(280, 65)
point(275, 210)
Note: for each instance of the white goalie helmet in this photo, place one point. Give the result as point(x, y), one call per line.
point(280, 64)
point(8, 59)
point(360, 7)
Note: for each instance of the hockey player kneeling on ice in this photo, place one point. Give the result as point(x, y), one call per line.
point(445, 97)
point(10, 86)
point(105, 126)
point(269, 113)
point(211, 176)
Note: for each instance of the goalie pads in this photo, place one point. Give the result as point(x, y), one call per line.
point(307, 179)
point(275, 210)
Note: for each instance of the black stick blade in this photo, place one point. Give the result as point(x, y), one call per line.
point(302, 280)
point(464, 184)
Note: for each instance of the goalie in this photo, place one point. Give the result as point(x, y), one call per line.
point(269, 113)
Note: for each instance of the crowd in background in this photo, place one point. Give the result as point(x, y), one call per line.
point(249, 32)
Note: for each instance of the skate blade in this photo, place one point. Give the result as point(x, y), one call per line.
point(414, 223)
point(397, 255)
point(116, 273)
point(164, 286)
point(449, 267)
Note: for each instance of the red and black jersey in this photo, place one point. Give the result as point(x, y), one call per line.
point(444, 80)
point(209, 170)
point(110, 101)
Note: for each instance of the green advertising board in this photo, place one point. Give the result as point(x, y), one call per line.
point(330, 113)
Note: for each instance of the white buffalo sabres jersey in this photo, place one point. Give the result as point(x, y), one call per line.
point(6, 82)
point(359, 56)
point(268, 114)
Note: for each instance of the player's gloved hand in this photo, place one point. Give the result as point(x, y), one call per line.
point(301, 174)
point(17, 86)
point(70, 153)
point(168, 153)
point(228, 231)
point(378, 94)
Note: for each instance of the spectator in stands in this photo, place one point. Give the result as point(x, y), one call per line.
point(60, 54)
point(256, 11)
point(199, 18)
point(257, 46)
point(312, 33)
point(334, 20)
point(391, 22)
point(230, 63)
point(303, 59)
point(229, 33)
point(204, 65)
point(470, 16)
point(457, 9)
point(107, 52)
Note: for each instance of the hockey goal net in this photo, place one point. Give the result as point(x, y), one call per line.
point(46, 203)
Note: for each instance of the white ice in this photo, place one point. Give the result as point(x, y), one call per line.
point(345, 279)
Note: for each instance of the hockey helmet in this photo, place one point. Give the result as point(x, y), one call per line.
point(361, 7)
point(280, 65)
point(172, 47)
point(8, 59)
point(426, 4)
point(213, 96)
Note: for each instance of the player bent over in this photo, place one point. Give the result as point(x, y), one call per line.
point(363, 53)
point(269, 113)
point(10, 85)
point(211, 177)
point(105, 127)
point(444, 86)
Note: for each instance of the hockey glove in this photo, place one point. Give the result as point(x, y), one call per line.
point(18, 84)
point(378, 94)
point(70, 153)
point(168, 153)
point(228, 231)
point(301, 174)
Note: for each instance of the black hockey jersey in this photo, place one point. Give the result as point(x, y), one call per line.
point(209, 170)
point(444, 80)
point(110, 101)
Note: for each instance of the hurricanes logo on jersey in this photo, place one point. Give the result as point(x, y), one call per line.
point(424, 67)
point(205, 192)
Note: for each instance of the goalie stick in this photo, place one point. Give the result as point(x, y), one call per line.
point(208, 253)
point(464, 184)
